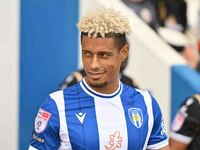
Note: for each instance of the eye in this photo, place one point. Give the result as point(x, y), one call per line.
point(86, 54)
point(104, 55)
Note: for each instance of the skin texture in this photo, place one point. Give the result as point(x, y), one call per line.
point(102, 60)
point(176, 145)
point(164, 148)
point(191, 56)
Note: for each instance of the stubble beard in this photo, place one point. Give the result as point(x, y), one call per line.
point(98, 85)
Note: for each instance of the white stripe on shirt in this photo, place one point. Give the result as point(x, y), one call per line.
point(111, 121)
point(58, 97)
point(158, 145)
point(32, 148)
point(148, 102)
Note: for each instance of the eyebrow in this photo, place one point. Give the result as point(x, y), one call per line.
point(86, 50)
point(103, 51)
point(89, 51)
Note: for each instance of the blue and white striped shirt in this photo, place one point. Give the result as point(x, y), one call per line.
point(80, 118)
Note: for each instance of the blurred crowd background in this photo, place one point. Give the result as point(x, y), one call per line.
point(176, 21)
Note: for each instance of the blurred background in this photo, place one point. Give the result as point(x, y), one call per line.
point(39, 46)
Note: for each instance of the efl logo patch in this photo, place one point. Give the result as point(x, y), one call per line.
point(178, 121)
point(41, 120)
point(136, 116)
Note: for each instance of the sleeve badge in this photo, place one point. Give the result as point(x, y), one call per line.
point(41, 120)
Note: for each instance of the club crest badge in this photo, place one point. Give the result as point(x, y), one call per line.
point(41, 120)
point(136, 116)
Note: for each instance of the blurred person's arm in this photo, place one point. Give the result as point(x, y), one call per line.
point(191, 57)
point(176, 145)
point(185, 126)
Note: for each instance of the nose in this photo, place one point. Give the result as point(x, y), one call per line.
point(95, 64)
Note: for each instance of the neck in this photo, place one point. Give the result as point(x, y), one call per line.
point(109, 88)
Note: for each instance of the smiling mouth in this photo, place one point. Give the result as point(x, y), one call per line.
point(95, 76)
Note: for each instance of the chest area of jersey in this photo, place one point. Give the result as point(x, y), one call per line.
point(107, 124)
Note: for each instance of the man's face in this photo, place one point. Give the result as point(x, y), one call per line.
point(101, 60)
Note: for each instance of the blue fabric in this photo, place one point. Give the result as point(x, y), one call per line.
point(50, 137)
point(85, 135)
point(131, 98)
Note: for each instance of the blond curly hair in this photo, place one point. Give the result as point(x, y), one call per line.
point(102, 22)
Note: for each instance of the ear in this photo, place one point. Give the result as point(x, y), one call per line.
point(124, 52)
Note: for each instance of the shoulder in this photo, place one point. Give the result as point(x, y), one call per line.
point(128, 90)
point(186, 122)
point(56, 95)
point(191, 104)
point(72, 90)
point(151, 103)
point(195, 98)
point(68, 92)
point(132, 91)
point(129, 81)
point(188, 114)
point(148, 98)
point(139, 95)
